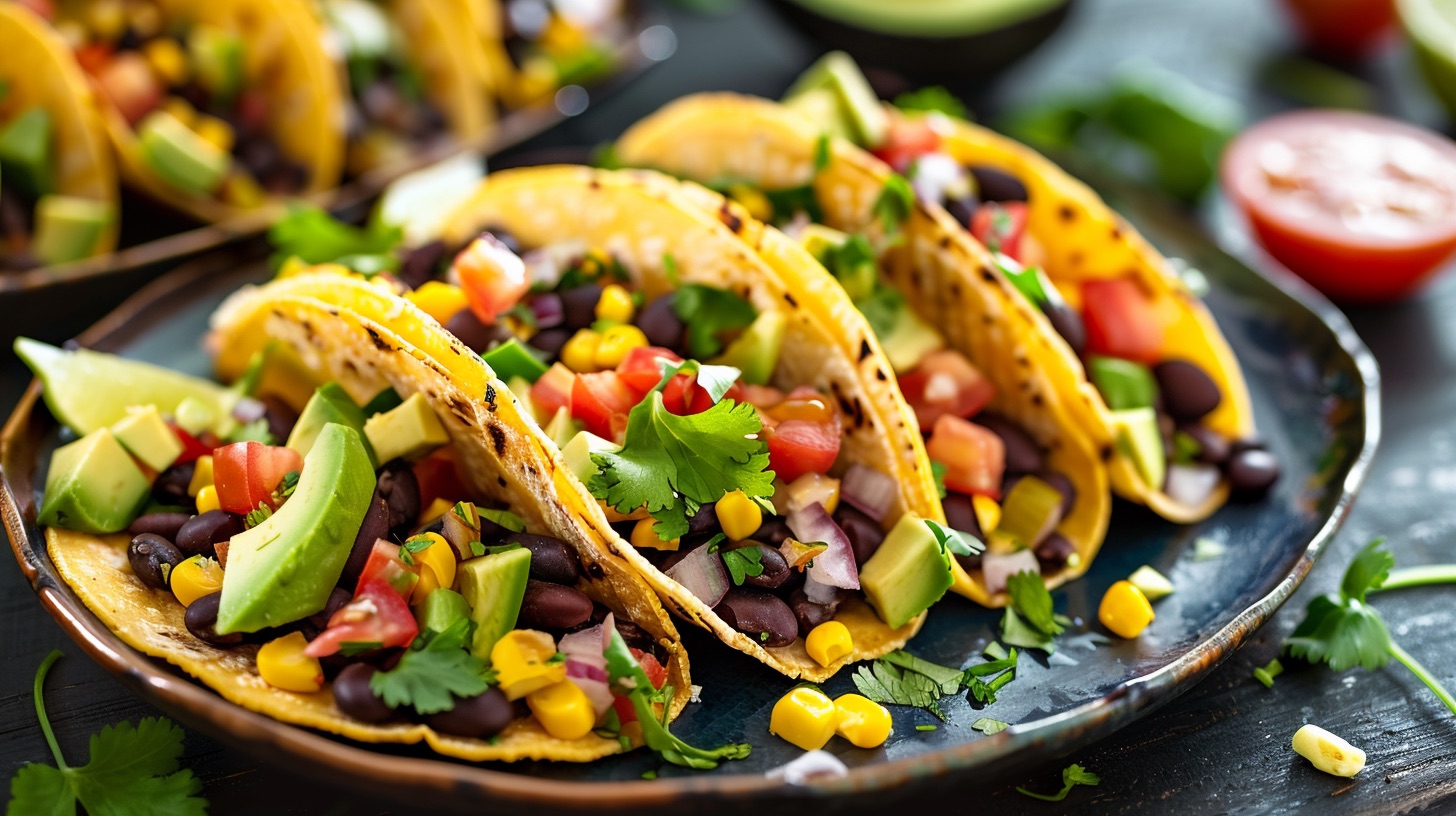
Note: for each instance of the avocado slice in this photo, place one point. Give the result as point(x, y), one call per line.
point(578, 454)
point(217, 61)
point(179, 156)
point(285, 568)
point(68, 228)
point(858, 106)
point(146, 436)
point(909, 572)
point(1123, 383)
point(494, 585)
point(25, 153)
point(755, 352)
point(93, 486)
point(911, 339)
point(329, 403)
point(408, 431)
point(441, 609)
point(1139, 437)
point(88, 390)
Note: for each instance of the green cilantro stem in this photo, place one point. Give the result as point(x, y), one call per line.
point(1425, 676)
point(1418, 576)
point(40, 709)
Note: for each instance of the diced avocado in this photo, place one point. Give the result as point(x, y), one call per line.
point(179, 156)
point(89, 390)
point(68, 228)
point(195, 416)
point(329, 403)
point(494, 585)
point(755, 352)
point(911, 339)
point(147, 436)
point(511, 359)
point(1139, 437)
point(859, 106)
point(909, 572)
point(578, 454)
point(819, 240)
point(1123, 383)
point(284, 569)
point(407, 432)
point(562, 428)
point(25, 153)
point(1154, 584)
point(93, 486)
point(386, 400)
point(1030, 512)
point(441, 609)
point(217, 61)
point(822, 106)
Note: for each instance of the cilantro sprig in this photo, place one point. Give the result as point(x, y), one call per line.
point(901, 678)
point(434, 671)
point(933, 98)
point(743, 563)
point(893, 206)
point(1072, 776)
point(310, 234)
point(710, 313)
point(1029, 621)
point(132, 769)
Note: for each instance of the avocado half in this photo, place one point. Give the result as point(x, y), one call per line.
point(929, 39)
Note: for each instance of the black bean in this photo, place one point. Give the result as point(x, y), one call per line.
point(553, 607)
point(776, 570)
point(960, 514)
point(1068, 323)
point(479, 717)
point(705, 520)
point(152, 558)
point(551, 341)
point(281, 418)
point(1064, 486)
point(202, 533)
point(171, 486)
point(1252, 472)
point(374, 527)
point(1189, 394)
point(165, 525)
point(1248, 443)
point(401, 491)
point(1054, 550)
point(865, 535)
point(808, 614)
point(337, 599)
point(962, 209)
point(1213, 448)
point(997, 185)
point(579, 306)
point(1022, 453)
point(551, 559)
point(773, 531)
point(201, 620)
point(969, 563)
point(766, 619)
point(421, 263)
point(479, 336)
point(634, 635)
point(661, 324)
point(354, 697)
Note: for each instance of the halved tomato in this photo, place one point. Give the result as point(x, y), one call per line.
point(1000, 225)
point(192, 447)
point(377, 618)
point(493, 278)
point(601, 401)
point(945, 382)
point(553, 390)
point(974, 457)
point(656, 674)
point(246, 473)
point(385, 564)
point(799, 446)
point(1121, 320)
point(641, 370)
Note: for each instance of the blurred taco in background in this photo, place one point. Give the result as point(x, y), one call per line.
point(531, 48)
point(58, 190)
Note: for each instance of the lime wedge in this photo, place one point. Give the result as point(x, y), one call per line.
point(1431, 25)
point(88, 390)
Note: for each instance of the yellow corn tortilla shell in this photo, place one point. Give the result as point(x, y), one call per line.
point(38, 70)
point(946, 276)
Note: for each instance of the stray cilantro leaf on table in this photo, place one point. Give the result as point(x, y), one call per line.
point(434, 671)
point(988, 726)
point(883, 683)
point(132, 770)
point(1072, 776)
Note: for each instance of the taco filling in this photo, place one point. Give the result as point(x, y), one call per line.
point(554, 43)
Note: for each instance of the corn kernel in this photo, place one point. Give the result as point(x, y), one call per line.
point(241, 190)
point(167, 60)
point(616, 304)
point(828, 642)
point(1125, 610)
point(215, 132)
point(753, 200)
point(563, 710)
point(201, 476)
point(988, 513)
point(436, 509)
point(616, 342)
point(194, 578)
point(739, 515)
point(439, 300)
point(520, 661)
point(862, 721)
point(1328, 752)
point(580, 352)
point(207, 499)
point(804, 717)
point(644, 537)
point(282, 664)
point(437, 566)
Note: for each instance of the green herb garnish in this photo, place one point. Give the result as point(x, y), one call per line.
point(1266, 674)
point(1029, 621)
point(1072, 776)
point(709, 313)
point(743, 563)
point(893, 206)
point(258, 515)
point(988, 726)
point(312, 235)
point(932, 98)
point(434, 671)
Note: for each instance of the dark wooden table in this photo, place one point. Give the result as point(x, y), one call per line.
point(1223, 747)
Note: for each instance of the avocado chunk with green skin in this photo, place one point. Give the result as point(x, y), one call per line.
point(329, 403)
point(1139, 438)
point(88, 390)
point(179, 156)
point(147, 436)
point(68, 228)
point(441, 609)
point(579, 452)
point(755, 352)
point(1123, 383)
point(494, 585)
point(909, 572)
point(285, 568)
point(408, 431)
point(93, 486)
point(511, 359)
point(911, 339)
point(858, 105)
point(25, 153)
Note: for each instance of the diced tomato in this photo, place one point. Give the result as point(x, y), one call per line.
point(683, 396)
point(377, 615)
point(438, 478)
point(1344, 29)
point(761, 396)
point(641, 371)
point(945, 382)
point(552, 391)
point(798, 446)
point(974, 456)
point(493, 277)
point(246, 474)
point(907, 140)
point(92, 57)
point(601, 402)
point(1000, 227)
point(192, 447)
point(127, 80)
point(655, 671)
point(1121, 320)
point(385, 565)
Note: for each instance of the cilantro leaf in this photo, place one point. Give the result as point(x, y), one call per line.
point(709, 313)
point(435, 671)
point(1072, 776)
point(937, 470)
point(821, 152)
point(954, 541)
point(1032, 601)
point(884, 683)
point(883, 309)
point(893, 206)
point(1367, 572)
point(1015, 631)
point(947, 678)
point(743, 563)
point(310, 234)
point(988, 726)
point(790, 201)
point(932, 98)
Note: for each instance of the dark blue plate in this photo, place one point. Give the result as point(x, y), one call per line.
point(1315, 390)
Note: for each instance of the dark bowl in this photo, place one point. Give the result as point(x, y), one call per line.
point(969, 55)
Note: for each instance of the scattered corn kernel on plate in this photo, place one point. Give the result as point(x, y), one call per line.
point(1315, 391)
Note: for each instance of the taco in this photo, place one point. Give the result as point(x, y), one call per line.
point(58, 199)
point(737, 438)
point(1018, 467)
point(529, 49)
point(214, 108)
point(358, 600)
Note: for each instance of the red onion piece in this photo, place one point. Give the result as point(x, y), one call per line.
point(1192, 484)
point(935, 175)
point(587, 642)
point(868, 490)
point(835, 566)
point(547, 308)
point(818, 593)
point(997, 567)
point(249, 410)
point(591, 679)
point(702, 573)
